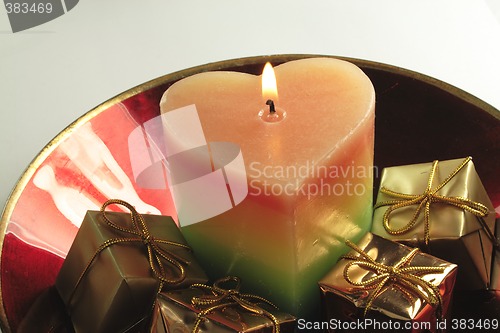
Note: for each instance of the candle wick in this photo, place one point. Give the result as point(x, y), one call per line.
point(272, 109)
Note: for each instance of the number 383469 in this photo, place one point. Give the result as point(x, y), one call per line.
point(28, 8)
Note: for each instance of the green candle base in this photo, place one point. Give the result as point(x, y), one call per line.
point(271, 262)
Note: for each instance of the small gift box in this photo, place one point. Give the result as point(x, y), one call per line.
point(215, 309)
point(443, 208)
point(381, 283)
point(117, 264)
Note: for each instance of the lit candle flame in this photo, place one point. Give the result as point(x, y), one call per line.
point(269, 88)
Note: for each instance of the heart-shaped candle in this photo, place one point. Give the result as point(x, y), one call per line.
point(309, 174)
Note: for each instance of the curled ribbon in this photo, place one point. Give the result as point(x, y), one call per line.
point(426, 199)
point(402, 275)
point(141, 234)
point(220, 298)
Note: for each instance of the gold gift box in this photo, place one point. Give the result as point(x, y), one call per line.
point(344, 302)
point(118, 289)
point(174, 312)
point(454, 234)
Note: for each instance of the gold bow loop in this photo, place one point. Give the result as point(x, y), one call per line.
point(402, 276)
point(220, 298)
point(425, 200)
point(140, 234)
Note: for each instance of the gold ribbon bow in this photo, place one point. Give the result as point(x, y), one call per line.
point(141, 234)
point(402, 275)
point(426, 199)
point(222, 298)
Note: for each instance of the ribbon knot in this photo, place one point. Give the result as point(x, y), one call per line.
point(402, 275)
point(219, 298)
point(426, 199)
point(429, 195)
point(392, 271)
point(139, 233)
point(147, 239)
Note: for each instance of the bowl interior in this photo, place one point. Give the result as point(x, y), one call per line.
point(418, 119)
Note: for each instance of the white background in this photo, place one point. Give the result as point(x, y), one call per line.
point(52, 74)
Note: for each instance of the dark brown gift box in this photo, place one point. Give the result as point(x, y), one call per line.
point(345, 302)
point(495, 270)
point(174, 312)
point(47, 315)
point(117, 291)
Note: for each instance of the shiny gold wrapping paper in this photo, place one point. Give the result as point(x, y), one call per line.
point(346, 302)
point(454, 235)
point(118, 290)
point(175, 313)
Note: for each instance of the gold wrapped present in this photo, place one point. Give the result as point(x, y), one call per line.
point(117, 264)
point(443, 208)
point(217, 309)
point(384, 282)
